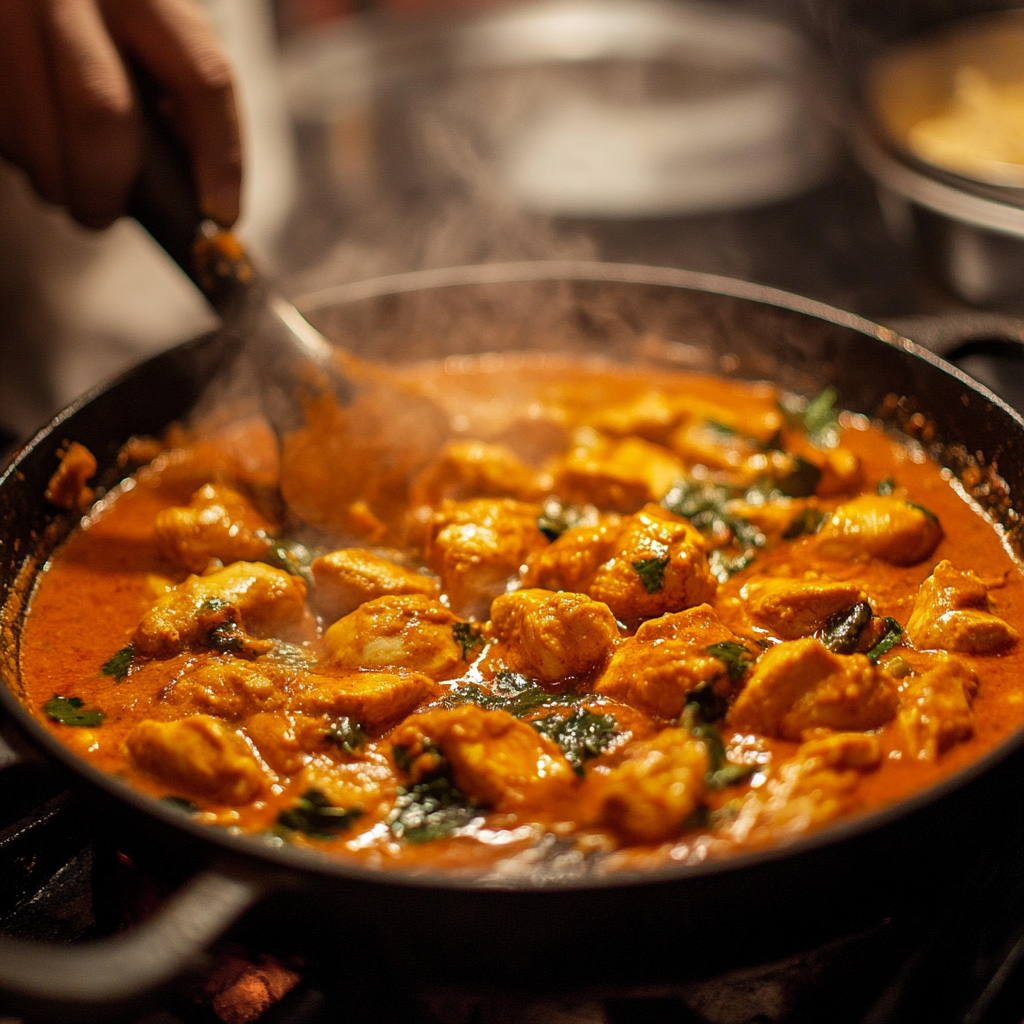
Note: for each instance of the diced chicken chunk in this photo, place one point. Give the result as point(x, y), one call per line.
point(711, 444)
point(198, 756)
point(667, 659)
point(258, 599)
point(799, 685)
point(218, 523)
point(792, 608)
point(346, 579)
point(410, 632)
point(618, 476)
point(477, 546)
point(67, 487)
point(652, 563)
point(473, 469)
point(872, 526)
point(803, 793)
point(951, 613)
point(935, 708)
point(495, 759)
point(551, 636)
point(226, 688)
point(651, 416)
point(649, 796)
point(286, 742)
point(373, 699)
point(861, 751)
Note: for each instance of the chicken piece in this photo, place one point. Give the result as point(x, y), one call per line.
point(367, 782)
point(551, 637)
point(951, 613)
point(473, 469)
point(198, 756)
point(373, 699)
point(712, 444)
point(802, 793)
point(652, 563)
point(258, 599)
point(218, 523)
point(67, 487)
point(286, 742)
point(651, 416)
point(617, 476)
point(843, 750)
point(495, 759)
point(477, 546)
point(935, 708)
point(799, 685)
point(572, 560)
point(650, 795)
point(667, 659)
point(792, 608)
point(346, 579)
point(409, 632)
point(226, 688)
point(872, 526)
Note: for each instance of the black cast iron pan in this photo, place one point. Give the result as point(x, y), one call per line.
point(561, 926)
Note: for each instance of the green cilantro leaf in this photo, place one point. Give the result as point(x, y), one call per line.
point(72, 711)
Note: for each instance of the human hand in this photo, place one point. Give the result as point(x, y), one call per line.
point(70, 117)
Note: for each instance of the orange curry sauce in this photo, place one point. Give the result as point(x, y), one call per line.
point(487, 687)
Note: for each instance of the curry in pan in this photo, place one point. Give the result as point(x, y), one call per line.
point(501, 606)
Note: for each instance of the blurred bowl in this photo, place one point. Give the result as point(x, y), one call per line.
point(947, 172)
point(575, 108)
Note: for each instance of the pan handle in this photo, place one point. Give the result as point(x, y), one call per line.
point(83, 982)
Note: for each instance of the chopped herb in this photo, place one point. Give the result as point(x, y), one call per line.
point(315, 816)
point(898, 666)
point(718, 427)
point(181, 803)
point(555, 518)
point(468, 636)
point(721, 771)
point(893, 635)
point(226, 638)
point(927, 511)
point(728, 775)
point(347, 735)
point(842, 630)
point(403, 759)
point(580, 736)
point(430, 810)
point(213, 604)
point(515, 694)
point(651, 572)
point(820, 419)
point(807, 520)
point(800, 481)
point(704, 506)
point(735, 657)
point(886, 487)
point(294, 558)
point(72, 711)
point(117, 667)
point(709, 705)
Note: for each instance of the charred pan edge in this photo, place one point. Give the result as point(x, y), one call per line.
point(978, 474)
